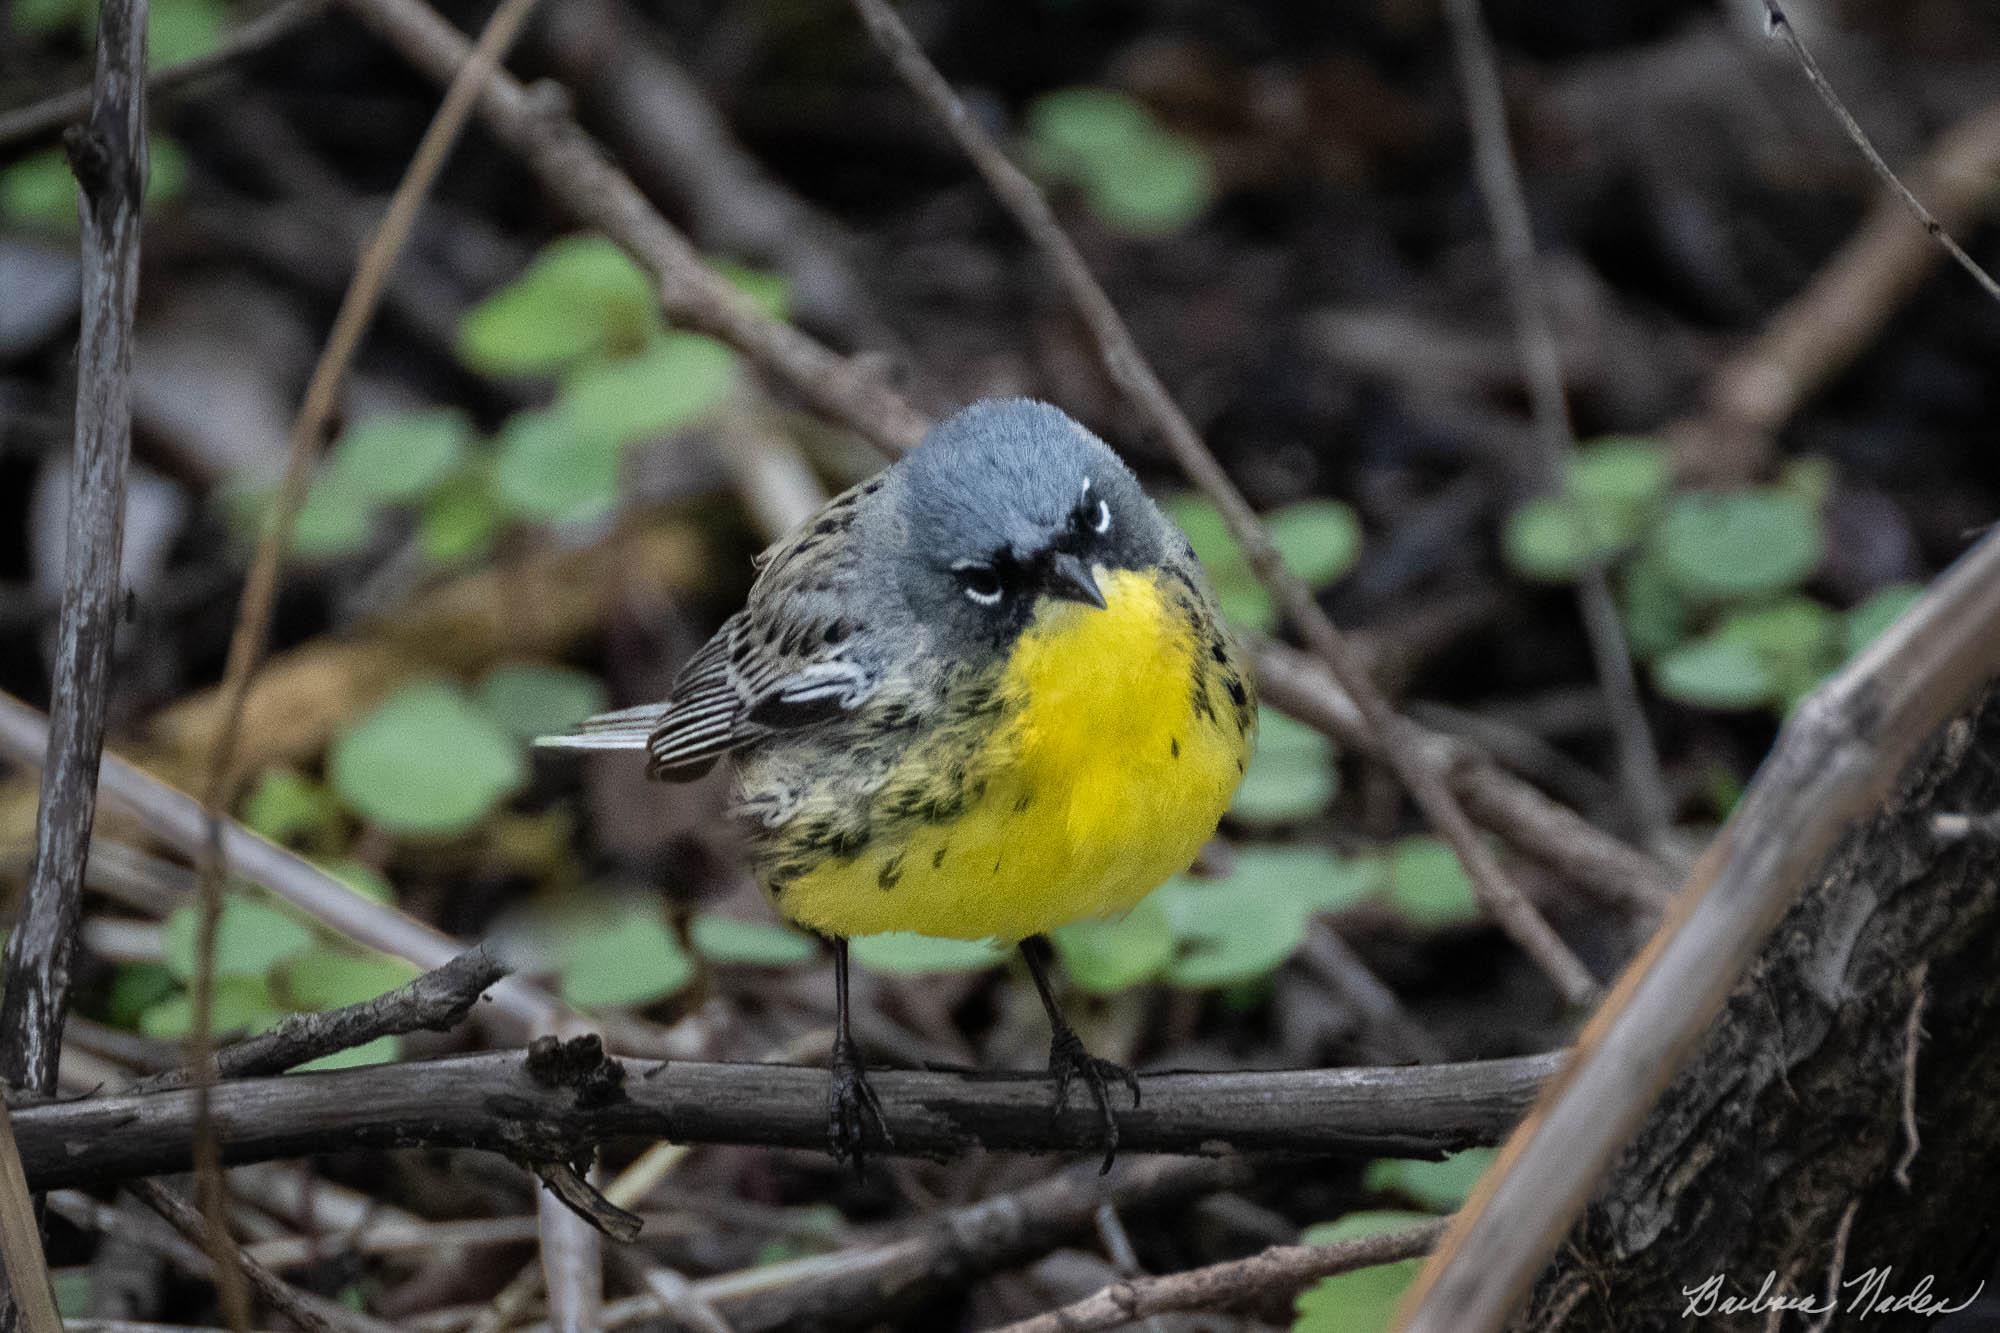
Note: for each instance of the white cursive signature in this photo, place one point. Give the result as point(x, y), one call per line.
point(1867, 1293)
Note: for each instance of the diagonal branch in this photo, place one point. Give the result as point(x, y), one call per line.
point(555, 1107)
point(1513, 236)
point(1278, 1271)
point(1129, 369)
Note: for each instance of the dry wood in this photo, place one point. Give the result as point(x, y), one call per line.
point(1833, 762)
point(494, 1102)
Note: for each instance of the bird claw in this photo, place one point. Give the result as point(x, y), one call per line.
point(1068, 1060)
point(851, 1105)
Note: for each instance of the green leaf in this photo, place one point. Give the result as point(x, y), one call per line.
point(1245, 926)
point(1208, 532)
point(1439, 1185)
point(580, 297)
point(1743, 544)
point(290, 808)
point(1428, 885)
point(1363, 1301)
point(675, 382)
point(1654, 612)
point(180, 30)
point(251, 938)
point(399, 456)
point(328, 978)
point(1154, 187)
point(1246, 602)
point(903, 953)
point(1621, 479)
point(425, 763)
point(1105, 957)
point(1319, 539)
point(621, 958)
point(1866, 623)
point(532, 700)
point(39, 190)
point(135, 988)
point(1074, 130)
point(460, 518)
point(337, 519)
point(728, 940)
point(166, 170)
point(547, 471)
point(1291, 774)
point(1552, 540)
point(1795, 638)
point(381, 1051)
point(242, 1004)
point(1716, 673)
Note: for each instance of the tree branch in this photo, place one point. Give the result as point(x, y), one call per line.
point(556, 1111)
point(437, 1001)
point(1277, 1271)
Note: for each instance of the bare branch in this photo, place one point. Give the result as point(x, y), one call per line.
point(48, 117)
point(495, 1102)
point(1782, 28)
point(437, 1001)
point(1277, 1271)
point(1507, 212)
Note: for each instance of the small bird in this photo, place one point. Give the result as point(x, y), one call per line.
point(980, 695)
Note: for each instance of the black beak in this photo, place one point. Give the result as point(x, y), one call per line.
point(1069, 578)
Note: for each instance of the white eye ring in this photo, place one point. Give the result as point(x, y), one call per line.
point(981, 596)
point(1101, 523)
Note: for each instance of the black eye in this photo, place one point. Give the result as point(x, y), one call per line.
point(1100, 522)
point(980, 583)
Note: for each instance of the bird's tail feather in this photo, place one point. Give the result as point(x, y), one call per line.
point(626, 729)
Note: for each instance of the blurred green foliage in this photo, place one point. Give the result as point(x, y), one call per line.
point(1319, 541)
point(1708, 584)
point(1137, 177)
point(1364, 1301)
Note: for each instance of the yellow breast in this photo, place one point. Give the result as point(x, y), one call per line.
point(1116, 750)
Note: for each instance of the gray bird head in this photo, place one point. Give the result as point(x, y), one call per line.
point(1009, 502)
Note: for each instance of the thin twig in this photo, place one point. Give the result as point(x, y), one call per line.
point(1835, 1268)
point(108, 156)
point(1837, 755)
point(436, 1001)
point(492, 1102)
point(21, 1257)
point(48, 117)
point(1913, 1037)
point(275, 1291)
point(253, 617)
point(1277, 1271)
point(1782, 27)
point(1129, 370)
point(1513, 235)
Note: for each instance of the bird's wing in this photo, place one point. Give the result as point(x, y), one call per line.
point(786, 661)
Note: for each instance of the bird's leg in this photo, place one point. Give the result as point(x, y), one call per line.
point(1067, 1057)
point(851, 1103)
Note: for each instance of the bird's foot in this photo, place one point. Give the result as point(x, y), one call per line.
point(1068, 1060)
point(851, 1106)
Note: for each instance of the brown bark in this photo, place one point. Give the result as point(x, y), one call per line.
point(1791, 1114)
